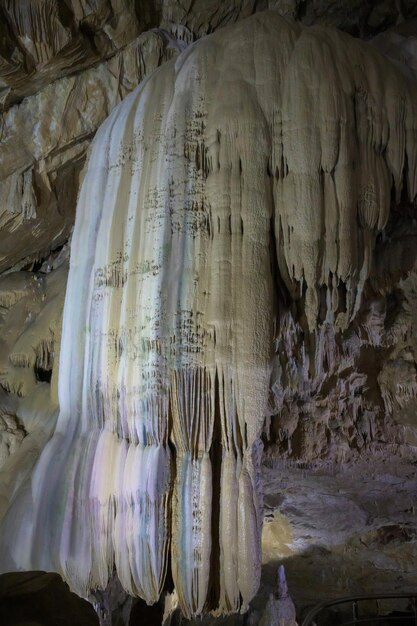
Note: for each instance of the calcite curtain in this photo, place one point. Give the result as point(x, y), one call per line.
point(265, 150)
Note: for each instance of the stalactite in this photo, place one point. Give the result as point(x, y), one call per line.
point(167, 353)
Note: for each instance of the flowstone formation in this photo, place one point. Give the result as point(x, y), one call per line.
point(255, 169)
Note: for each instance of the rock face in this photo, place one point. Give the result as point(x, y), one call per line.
point(63, 68)
point(243, 270)
point(223, 246)
point(30, 325)
point(43, 40)
point(44, 143)
point(342, 528)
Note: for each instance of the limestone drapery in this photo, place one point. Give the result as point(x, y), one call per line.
point(262, 145)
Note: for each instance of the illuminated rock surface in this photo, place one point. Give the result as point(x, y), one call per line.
point(242, 264)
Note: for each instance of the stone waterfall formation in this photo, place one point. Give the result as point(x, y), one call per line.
point(266, 157)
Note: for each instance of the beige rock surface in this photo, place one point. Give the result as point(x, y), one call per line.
point(177, 208)
point(44, 141)
point(31, 307)
point(43, 40)
point(343, 390)
point(103, 51)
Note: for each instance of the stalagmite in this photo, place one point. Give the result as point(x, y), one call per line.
point(263, 145)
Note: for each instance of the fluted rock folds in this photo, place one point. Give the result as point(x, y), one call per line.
point(263, 147)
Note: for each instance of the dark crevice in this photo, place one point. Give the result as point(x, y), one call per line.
point(216, 453)
point(43, 375)
point(34, 264)
point(279, 287)
point(142, 614)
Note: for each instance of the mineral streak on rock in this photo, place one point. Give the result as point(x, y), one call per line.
point(263, 144)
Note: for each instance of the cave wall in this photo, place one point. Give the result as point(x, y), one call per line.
point(343, 393)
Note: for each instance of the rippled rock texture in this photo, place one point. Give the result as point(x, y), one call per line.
point(242, 272)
